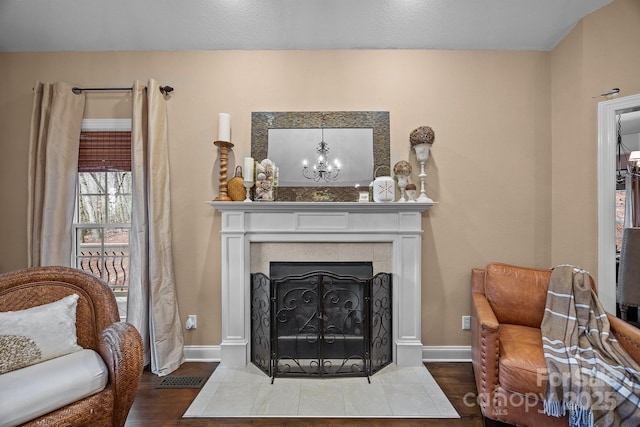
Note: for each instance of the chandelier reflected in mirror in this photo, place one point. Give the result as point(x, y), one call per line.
point(323, 169)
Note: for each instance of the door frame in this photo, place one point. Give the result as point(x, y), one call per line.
point(607, 140)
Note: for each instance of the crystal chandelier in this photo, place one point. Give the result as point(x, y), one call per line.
point(322, 168)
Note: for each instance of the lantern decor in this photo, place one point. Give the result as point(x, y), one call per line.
point(402, 170)
point(421, 140)
point(384, 188)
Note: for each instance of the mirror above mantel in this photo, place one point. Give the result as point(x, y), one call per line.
point(322, 155)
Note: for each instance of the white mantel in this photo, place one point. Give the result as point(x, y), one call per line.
point(312, 222)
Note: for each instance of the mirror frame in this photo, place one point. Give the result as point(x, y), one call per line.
point(261, 122)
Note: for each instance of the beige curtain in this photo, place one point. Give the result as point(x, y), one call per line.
point(152, 301)
point(54, 136)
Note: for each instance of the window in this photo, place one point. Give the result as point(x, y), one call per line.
point(102, 217)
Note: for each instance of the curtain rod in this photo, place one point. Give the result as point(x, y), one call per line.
point(78, 90)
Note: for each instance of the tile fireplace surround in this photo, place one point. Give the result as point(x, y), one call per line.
point(311, 223)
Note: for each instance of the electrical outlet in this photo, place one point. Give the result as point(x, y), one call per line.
point(192, 322)
point(466, 322)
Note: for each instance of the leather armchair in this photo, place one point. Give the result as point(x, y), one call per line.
point(98, 328)
point(508, 304)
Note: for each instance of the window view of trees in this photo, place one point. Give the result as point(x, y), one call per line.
point(105, 197)
point(102, 226)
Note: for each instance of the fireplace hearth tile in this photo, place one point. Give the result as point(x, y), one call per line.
point(243, 376)
point(321, 397)
point(375, 405)
point(393, 393)
point(281, 398)
point(233, 400)
point(409, 399)
point(403, 376)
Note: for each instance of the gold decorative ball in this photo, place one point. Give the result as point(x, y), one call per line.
point(402, 168)
point(422, 135)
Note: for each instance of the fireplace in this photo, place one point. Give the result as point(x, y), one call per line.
point(321, 319)
point(306, 226)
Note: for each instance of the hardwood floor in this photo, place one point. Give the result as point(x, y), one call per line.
point(164, 407)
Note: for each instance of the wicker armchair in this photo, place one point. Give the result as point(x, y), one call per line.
point(98, 328)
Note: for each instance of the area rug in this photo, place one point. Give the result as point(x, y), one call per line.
point(393, 393)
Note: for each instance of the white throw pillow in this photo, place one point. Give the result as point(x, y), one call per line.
point(38, 333)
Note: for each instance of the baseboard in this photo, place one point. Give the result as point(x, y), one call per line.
point(211, 353)
point(447, 353)
point(201, 353)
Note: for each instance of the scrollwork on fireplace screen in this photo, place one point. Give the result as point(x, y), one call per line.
point(380, 321)
point(261, 322)
point(321, 324)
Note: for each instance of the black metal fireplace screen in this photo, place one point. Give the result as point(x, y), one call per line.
point(321, 324)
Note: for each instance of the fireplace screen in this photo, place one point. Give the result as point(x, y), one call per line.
point(320, 323)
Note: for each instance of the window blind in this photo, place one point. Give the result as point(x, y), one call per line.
point(104, 151)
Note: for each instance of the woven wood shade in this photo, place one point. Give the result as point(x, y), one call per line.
point(102, 151)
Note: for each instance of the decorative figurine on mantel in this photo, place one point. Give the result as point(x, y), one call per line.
point(411, 192)
point(402, 170)
point(421, 140)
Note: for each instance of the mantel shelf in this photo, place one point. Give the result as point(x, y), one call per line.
point(360, 207)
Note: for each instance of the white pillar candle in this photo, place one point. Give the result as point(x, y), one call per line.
point(224, 127)
point(248, 169)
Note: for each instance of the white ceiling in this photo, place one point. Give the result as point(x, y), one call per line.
point(630, 123)
point(98, 25)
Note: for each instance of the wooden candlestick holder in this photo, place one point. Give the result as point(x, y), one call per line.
point(224, 147)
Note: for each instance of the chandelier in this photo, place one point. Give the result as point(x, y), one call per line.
point(322, 169)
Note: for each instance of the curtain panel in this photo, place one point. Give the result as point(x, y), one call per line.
point(54, 135)
point(152, 302)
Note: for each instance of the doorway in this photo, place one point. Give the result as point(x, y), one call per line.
point(608, 112)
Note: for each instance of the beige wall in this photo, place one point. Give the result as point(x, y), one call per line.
point(600, 53)
point(491, 166)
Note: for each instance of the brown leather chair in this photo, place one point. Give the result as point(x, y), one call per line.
point(98, 328)
point(508, 304)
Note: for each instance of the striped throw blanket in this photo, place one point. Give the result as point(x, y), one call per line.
point(590, 375)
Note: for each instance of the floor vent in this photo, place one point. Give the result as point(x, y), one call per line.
point(181, 381)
